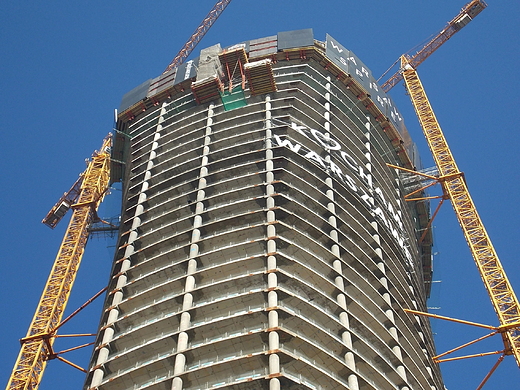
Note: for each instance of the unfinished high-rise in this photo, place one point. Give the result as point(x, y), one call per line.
point(264, 242)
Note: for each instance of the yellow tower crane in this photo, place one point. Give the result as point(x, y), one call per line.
point(454, 188)
point(37, 345)
point(88, 191)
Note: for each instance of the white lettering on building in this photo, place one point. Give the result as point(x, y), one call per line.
point(391, 219)
point(189, 65)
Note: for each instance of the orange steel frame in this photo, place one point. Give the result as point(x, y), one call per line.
point(199, 33)
point(454, 187)
point(36, 347)
point(473, 8)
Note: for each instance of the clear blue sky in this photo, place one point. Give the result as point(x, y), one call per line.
point(65, 66)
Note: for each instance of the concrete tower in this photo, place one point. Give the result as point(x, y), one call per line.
point(264, 243)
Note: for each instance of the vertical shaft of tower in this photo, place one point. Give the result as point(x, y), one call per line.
point(272, 278)
point(265, 244)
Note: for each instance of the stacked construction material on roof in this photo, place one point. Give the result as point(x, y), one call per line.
point(207, 89)
point(260, 77)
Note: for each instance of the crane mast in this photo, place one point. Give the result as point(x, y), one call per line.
point(37, 345)
point(466, 15)
point(454, 187)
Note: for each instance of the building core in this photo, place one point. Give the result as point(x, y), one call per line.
point(264, 242)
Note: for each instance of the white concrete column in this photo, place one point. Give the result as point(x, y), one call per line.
point(353, 382)
point(402, 372)
point(274, 384)
point(271, 266)
point(176, 384)
point(271, 231)
point(97, 377)
point(393, 332)
point(180, 363)
point(397, 351)
point(271, 263)
point(272, 280)
point(350, 362)
point(341, 298)
point(343, 318)
point(274, 340)
point(272, 299)
point(274, 364)
point(182, 342)
point(190, 281)
point(117, 295)
point(273, 319)
point(377, 239)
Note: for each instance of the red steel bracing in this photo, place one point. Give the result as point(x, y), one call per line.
point(199, 33)
point(468, 12)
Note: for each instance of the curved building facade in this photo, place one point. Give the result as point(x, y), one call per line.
point(264, 242)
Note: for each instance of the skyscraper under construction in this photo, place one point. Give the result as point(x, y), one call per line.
point(264, 242)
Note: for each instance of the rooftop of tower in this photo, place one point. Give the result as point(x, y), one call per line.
point(342, 63)
point(299, 45)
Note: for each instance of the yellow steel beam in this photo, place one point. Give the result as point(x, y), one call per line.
point(37, 345)
point(493, 275)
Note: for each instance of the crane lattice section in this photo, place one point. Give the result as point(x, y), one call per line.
point(37, 345)
point(493, 275)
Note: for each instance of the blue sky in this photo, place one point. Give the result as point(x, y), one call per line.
point(65, 66)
